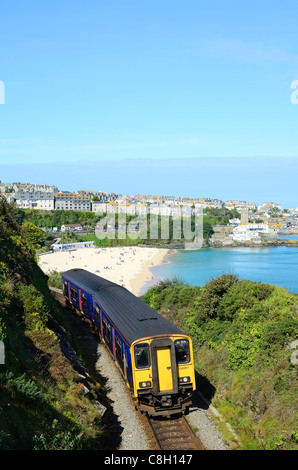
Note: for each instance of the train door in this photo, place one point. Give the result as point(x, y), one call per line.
point(74, 296)
point(107, 333)
point(85, 303)
point(97, 316)
point(119, 352)
point(164, 368)
point(65, 288)
point(80, 299)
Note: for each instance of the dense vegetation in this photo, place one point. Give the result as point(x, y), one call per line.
point(242, 332)
point(162, 228)
point(41, 403)
point(56, 218)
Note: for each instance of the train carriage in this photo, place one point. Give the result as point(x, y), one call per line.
point(154, 357)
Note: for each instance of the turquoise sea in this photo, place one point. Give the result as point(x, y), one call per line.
point(275, 265)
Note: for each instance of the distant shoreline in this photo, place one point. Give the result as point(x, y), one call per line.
point(151, 280)
point(145, 276)
point(273, 242)
point(228, 242)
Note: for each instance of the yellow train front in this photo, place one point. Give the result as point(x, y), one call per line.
point(163, 374)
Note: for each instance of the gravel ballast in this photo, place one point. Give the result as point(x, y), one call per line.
point(134, 432)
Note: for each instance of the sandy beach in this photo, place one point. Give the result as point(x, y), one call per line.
point(126, 266)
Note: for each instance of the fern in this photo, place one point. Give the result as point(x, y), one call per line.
point(22, 387)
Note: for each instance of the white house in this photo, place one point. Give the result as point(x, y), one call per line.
point(72, 227)
point(40, 200)
point(247, 232)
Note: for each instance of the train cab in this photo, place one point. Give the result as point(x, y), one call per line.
point(163, 374)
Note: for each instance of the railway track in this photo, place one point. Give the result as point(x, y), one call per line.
point(174, 434)
point(58, 295)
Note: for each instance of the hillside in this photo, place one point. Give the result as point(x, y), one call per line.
point(43, 400)
point(243, 332)
point(35, 219)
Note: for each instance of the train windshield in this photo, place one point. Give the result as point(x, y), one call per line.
point(182, 351)
point(142, 355)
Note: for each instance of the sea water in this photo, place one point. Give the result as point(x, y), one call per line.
point(274, 265)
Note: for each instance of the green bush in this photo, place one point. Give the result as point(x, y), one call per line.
point(278, 333)
point(55, 280)
point(60, 441)
point(22, 387)
point(212, 294)
point(3, 272)
point(172, 291)
point(33, 304)
point(2, 329)
point(244, 347)
point(242, 295)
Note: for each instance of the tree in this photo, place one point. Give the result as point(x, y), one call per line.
point(213, 293)
point(32, 234)
point(275, 212)
point(207, 229)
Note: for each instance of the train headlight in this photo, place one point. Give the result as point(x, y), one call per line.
point(183, 380)
point(145, 384)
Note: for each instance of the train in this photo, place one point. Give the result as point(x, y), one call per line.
point(155, 357)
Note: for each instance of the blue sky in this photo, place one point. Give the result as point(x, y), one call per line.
point(200, 90)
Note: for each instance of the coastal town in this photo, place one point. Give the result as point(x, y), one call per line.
point(250, 223)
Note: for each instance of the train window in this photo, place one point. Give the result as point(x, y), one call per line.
point(96, 311)
point(84, 299)
point(74, 293)
point(142, 355)
point(118, 348)
point(65, 290)
point(182, 351)
point(107, 329)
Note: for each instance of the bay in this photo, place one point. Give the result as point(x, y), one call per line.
point(273, 265)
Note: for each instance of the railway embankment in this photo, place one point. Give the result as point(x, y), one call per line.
point(48, 400)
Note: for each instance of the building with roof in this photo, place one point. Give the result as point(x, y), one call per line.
point(40, 200)
point(68, 201)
